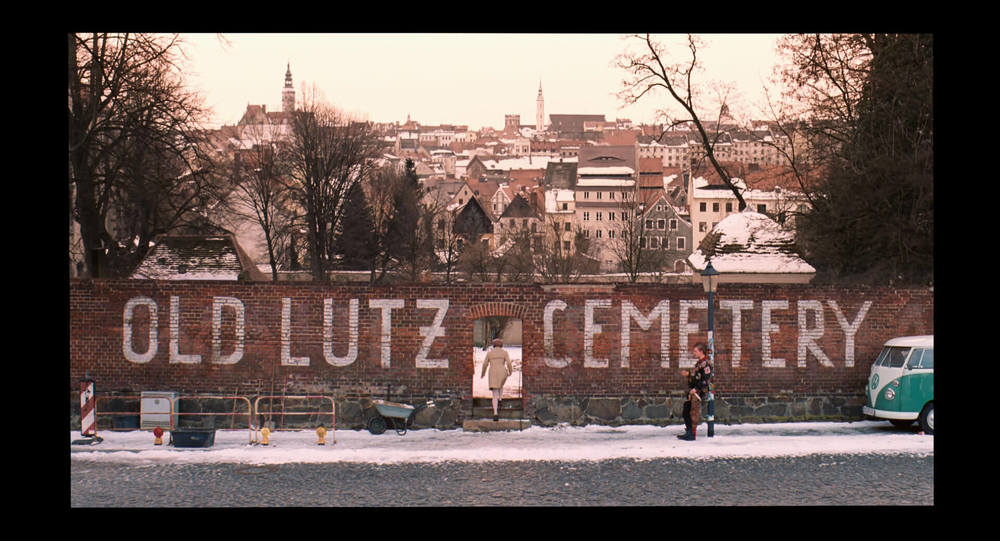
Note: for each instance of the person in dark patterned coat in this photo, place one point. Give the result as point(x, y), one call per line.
point(697, 383)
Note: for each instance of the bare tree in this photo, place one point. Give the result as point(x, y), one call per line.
point(630, 245)
point(561, 256)
point(264, 194)
point(649, 71)
point(139, 162)
point(328, 154)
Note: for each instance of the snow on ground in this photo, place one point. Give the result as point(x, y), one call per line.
point(560, 443)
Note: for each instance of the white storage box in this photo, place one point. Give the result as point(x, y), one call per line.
point(155, 410)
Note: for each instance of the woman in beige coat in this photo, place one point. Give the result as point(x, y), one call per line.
point(497, 362)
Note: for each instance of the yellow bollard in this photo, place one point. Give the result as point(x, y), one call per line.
point(158, 433)
point(321, 432)
point(264, 433)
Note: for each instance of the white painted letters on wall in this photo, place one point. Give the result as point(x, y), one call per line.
point(435, 330)
point(127, 349)
point(352, 334)
point(808, 337)
point(385, 339)
point(547, 339)
point(218, 303)
point(737, 307)
point(686, 359)
point(286, 336)
point(766, 328)
point(589, 330)
point(629, 313)
point(175, 333)
point(850, 329)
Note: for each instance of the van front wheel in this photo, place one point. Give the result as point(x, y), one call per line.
point(927, 419)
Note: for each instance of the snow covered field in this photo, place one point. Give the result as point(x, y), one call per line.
point(561, 443)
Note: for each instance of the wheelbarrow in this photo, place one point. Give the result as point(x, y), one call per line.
point(394, 414)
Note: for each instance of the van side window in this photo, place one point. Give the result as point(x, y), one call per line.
point(928, 359)
point(914, 361)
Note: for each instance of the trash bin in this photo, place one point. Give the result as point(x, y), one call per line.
point(193, 437)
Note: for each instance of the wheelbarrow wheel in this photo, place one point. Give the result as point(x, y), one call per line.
point(376, 425)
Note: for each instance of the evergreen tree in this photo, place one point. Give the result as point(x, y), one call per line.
point(357, 242)
point(873, 218)
point(408, 243)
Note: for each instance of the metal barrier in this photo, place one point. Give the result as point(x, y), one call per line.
point(333, 407)
point(175, 410)
point(136, 412)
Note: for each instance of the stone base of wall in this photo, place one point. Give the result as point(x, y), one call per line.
point(352, 413)
point(664, 410)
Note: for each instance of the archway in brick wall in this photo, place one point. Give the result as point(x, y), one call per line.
point(492, 320)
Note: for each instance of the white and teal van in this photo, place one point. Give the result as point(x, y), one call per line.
point(901, 385)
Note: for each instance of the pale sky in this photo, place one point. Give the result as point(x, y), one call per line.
point(464, 79)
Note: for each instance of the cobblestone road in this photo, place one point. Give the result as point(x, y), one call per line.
point(903, 479)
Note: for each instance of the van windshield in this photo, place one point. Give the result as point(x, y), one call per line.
point(892, 357)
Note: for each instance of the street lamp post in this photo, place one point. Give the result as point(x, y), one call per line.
point(708, 279)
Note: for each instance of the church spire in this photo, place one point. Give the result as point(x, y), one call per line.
point(288, 93)
point(540, 109)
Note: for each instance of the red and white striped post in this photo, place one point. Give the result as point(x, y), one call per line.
point(88, 409)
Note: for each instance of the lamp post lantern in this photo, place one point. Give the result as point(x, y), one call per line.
point(710, 281)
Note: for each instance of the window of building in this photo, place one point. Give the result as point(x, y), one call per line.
point(568, 226)
point(566, 245)
point(729, 207)
point(599, 232)
point(599, 195)
point(661, 224)
point(649, 224)
point(611, 233)
point(715, 207)
point(762, 208)
point(702, 227)
point(642, 242)
point(666, 243)
point(680, 242)
point(599, 216)
point(586, 195)
point(654, 242)
point(565, 206)
point(702, 206)
point(673, 225)
point(611, 216)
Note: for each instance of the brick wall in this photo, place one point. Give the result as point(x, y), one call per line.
point(580, 341)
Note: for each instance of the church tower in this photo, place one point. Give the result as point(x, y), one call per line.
point(288, 93)
point(540, 110)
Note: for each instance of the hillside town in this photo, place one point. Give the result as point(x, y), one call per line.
point(573, 184)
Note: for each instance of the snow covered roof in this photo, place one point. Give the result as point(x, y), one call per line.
point(612, 170)
point(196, 258)
point(619, 182)
point(751, 243)
point(554, 199)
